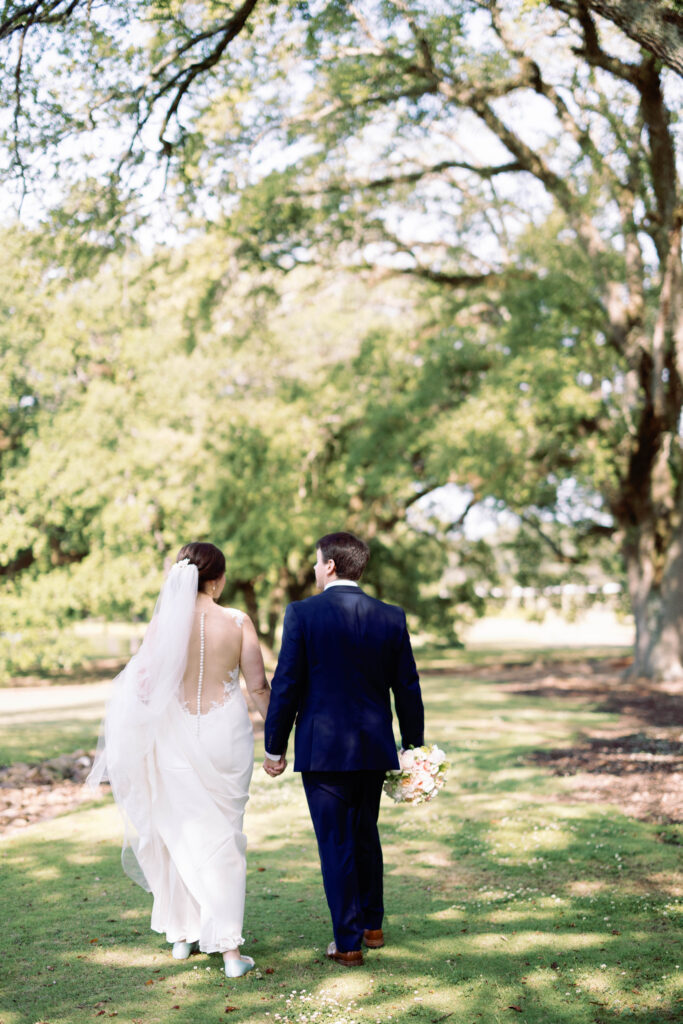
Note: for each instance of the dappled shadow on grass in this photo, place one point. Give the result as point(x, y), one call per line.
point(78, 937)
point(648, 704)
point(550, 926)
point(501, 905)
point(633, 761)
point(482, 916)
point(617, 755)
point(530, 664)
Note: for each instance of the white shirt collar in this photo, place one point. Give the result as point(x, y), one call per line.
point(341, 583)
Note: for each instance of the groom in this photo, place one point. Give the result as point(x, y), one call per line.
point(342, 654)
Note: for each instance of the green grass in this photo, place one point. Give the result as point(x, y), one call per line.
point(498, 896)
point(41, 729)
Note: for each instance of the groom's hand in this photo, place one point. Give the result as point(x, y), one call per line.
point(274, 768)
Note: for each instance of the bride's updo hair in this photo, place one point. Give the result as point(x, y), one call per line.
point(209, 559)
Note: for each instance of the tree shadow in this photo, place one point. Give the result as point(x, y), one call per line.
point(615, 755)
point(649, 705)
point(484, 930)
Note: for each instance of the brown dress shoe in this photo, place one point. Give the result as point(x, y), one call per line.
point(352, 959)
point(373, 938)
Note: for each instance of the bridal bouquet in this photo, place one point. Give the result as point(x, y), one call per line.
point(421, 775)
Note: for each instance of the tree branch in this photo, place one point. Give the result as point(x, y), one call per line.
point(663, 163)
point(16, 116)
point(667, 337)
point(526, 156)
point(532, 72)
point(39, 13)
point(493, 277)
point(184, 78)
point(555, 548)
point(444, 165)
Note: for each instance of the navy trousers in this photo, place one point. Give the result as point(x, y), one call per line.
point(344, 809)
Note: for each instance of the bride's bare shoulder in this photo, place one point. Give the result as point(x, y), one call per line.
point(232, 615)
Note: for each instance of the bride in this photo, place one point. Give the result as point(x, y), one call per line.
point(177, 747)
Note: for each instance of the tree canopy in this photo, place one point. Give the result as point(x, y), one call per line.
point(172, 397)
point(436, 142)
point(511, 167)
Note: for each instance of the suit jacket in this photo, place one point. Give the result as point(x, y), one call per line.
point(342, 654)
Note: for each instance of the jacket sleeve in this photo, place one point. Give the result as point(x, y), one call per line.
point(407, 694)
point(286, 685)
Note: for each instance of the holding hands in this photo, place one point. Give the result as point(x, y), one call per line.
point(274, 768)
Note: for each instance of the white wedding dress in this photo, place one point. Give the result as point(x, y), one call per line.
point(180, 756)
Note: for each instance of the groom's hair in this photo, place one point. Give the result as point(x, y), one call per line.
point(350, 554)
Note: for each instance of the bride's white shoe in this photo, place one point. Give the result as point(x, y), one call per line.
point(236, 966)
point(181, 950)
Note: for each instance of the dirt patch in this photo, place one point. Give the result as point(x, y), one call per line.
point(643, 776)
point(31, 793)
point(636, 762)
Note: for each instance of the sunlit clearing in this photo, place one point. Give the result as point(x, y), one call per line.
point(588, 888)
point(525, 942)
point(119, 956)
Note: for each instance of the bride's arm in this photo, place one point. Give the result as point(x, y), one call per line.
point(253, 669)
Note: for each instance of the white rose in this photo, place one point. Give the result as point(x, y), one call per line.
point(436, 756)
point(407, 759)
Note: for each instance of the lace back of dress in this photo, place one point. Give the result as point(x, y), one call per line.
point(219, 696)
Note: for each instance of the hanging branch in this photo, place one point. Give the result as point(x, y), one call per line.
point(43, 12)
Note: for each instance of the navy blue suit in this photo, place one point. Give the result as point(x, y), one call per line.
point(343, 653)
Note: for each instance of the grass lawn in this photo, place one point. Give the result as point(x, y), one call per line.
point(40, 722)
point(503, 902)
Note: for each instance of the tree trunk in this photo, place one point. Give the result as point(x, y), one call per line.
point(251, 601)
point(657, 603)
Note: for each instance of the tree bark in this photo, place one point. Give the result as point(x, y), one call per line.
point(652, 23)
point(657, 603)
point(251, 601)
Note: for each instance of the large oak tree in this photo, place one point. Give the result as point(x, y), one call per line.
point(430, 140)
point(433, 138)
